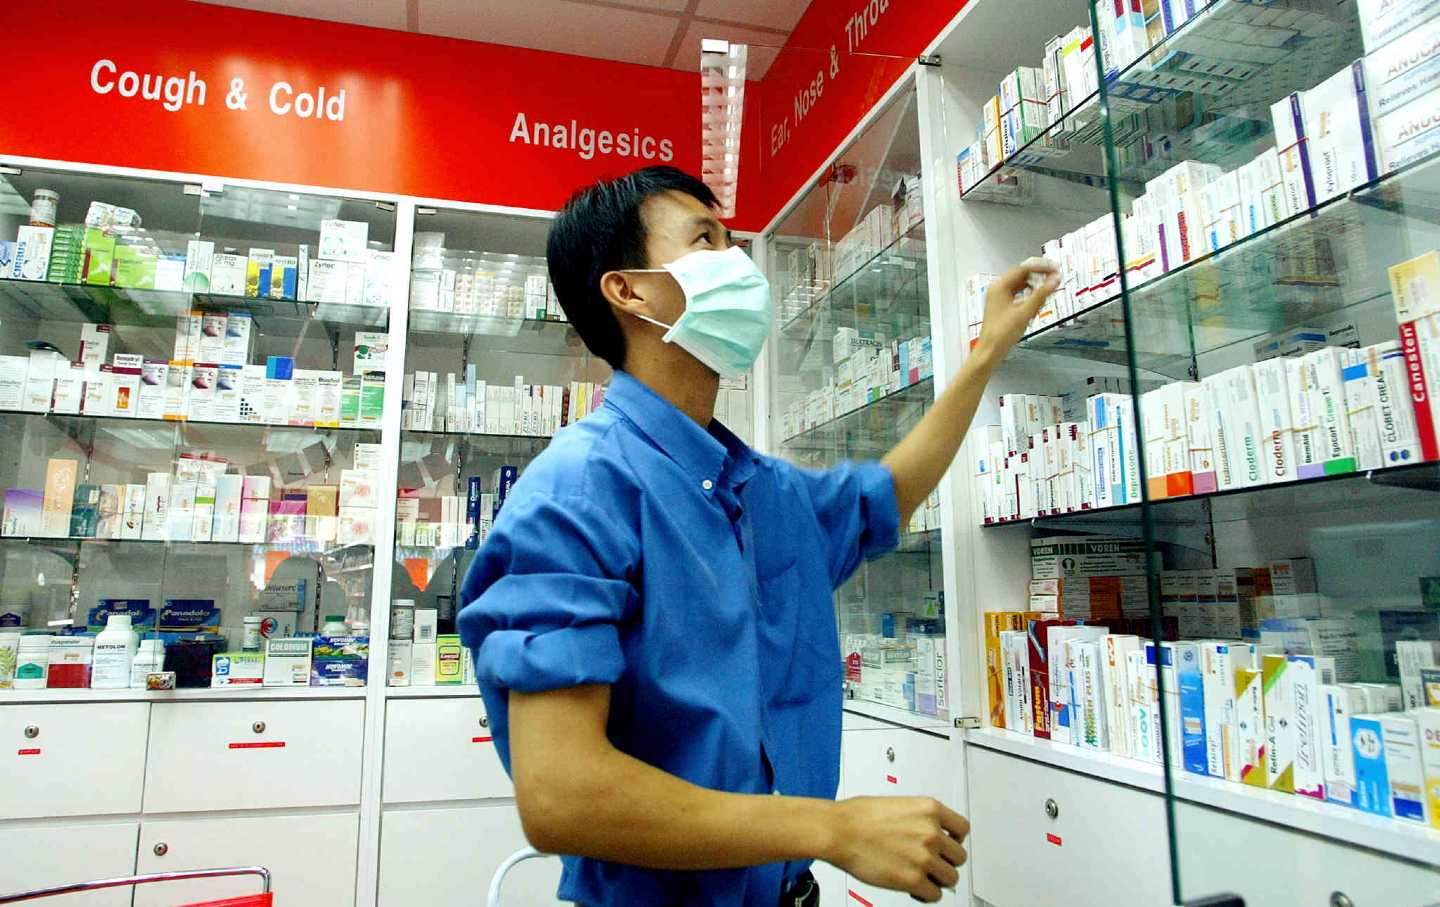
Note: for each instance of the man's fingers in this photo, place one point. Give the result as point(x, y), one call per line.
point(1018, 278)
point(957, 825)
point(926, 892)
point(951, 852)
point(943, 874)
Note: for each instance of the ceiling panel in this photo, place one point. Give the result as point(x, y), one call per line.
point(377, 13)
point(554, 25)
point(764, 46)
point(781, 14)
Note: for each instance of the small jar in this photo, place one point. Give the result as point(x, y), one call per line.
point(250, 642)
point(45, 208)
point(32, 661)
point(334, 626)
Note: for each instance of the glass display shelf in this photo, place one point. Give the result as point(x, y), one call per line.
point(850, 367)
point(1209, 93)
point(1377, 490)
point(82, 426)
point(557, 333)
point(448, 691)
point(867, 427)
point(190, 694)
point(306, 490)
point(95, 304)
point(890, 283)
point(1316, 264)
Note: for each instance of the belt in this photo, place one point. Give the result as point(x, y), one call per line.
point(801, 891)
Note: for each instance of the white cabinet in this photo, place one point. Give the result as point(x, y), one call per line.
point(894, 762)
point(1106, 844)
point(41, 856)
point(441, 749)
point(1270, 866)
point(253, 755)
point(898, 762)
point(311, 858)
point(448, 856)
point(72, 760)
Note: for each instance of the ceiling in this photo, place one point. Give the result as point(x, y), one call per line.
point(653, 32)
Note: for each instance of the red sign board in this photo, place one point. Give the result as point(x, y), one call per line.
point(196, 88)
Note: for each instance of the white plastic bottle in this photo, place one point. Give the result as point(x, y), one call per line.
point(149, 659)
point(114, 652)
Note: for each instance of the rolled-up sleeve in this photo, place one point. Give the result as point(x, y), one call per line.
point(857, 511)
point(546, 595)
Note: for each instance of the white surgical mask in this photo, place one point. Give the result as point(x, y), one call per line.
point(728, 310)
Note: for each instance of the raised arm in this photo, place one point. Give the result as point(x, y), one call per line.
point(923, 455)
point(579, 795)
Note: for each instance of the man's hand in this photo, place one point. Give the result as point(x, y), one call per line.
point(909, 844)
point(1007, 317)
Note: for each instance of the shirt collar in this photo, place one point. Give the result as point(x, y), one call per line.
point(707, 455)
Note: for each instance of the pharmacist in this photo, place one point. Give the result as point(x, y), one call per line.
point(651, 618)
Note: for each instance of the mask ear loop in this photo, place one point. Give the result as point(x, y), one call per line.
point(658, 324)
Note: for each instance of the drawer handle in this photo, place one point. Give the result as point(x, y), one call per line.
point(161, 849)
point(890, 753)
point(1340, 899)
point(32, 731)
point(484, 721)
point(1052, 809)
point(258, 727)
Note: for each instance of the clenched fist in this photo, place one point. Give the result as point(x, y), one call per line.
point(909, 844)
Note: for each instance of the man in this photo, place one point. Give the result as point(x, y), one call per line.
point(651, 619)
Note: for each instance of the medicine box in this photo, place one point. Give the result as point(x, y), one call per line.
point(1383, 21)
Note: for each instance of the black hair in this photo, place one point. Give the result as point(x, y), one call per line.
point(599, 230)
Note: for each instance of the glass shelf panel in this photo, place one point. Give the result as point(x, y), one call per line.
point(1328, 261)
point(1201, 93)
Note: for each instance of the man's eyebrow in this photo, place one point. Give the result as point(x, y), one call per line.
point(708, 222)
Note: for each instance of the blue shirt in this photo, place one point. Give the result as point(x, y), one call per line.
point(695, 577)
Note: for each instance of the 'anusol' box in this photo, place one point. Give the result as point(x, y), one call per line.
point(1410, 133)
point(1404, 69)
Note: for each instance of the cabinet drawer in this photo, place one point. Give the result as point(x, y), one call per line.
point(39, 857)
point(83, 759)
point(420, 862)
point(311, 858)
point(253, 755)
point(1108, 844)
point(1270, 866)
point(441, 749)
point(898, 762)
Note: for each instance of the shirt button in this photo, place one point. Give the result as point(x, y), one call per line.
point(707, 484)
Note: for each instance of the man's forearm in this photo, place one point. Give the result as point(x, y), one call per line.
point(625, 811)
point(923, 455)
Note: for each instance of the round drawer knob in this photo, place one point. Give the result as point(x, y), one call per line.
point(890, 754)
point(1340, 899)
point(32, 731)
point(258, 727)
point(161, 849)
point(1052, 809)
point(484, 721)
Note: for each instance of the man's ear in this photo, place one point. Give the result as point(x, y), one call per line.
point(622, 291)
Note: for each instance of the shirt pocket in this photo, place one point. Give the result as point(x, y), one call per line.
point(801, 645)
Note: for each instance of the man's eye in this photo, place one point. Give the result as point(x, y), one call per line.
point(703, 237)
